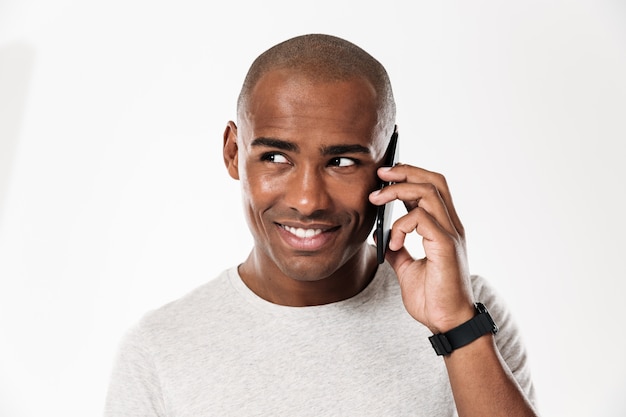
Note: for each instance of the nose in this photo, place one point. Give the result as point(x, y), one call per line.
point(307, 191)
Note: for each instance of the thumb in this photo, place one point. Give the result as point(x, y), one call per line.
point(399, 259)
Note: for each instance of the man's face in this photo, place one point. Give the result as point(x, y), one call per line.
point(307, 153)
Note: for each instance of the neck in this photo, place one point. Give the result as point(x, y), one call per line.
point(267, 280)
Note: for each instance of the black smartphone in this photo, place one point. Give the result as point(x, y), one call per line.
point(383, 216)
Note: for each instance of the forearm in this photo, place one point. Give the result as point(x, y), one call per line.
point(482, 384)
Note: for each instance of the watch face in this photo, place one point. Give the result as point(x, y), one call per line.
point(480, 307)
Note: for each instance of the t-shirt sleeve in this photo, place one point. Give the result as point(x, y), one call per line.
point(134, 388)
point(508, 339)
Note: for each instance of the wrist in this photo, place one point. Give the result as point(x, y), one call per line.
point(454, 321)
point(480, 324)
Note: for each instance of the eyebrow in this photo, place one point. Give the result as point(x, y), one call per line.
point(276, 143)
point(343, 149)
point(325, 150)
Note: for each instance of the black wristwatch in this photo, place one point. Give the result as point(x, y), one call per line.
point(479, 325)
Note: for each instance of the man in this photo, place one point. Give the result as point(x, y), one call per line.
point(310, 324)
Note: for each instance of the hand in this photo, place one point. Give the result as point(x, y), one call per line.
point(436, 289)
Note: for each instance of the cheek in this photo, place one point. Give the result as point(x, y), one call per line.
point(258, 191)
point(372, 184)
point(355, 195)
point(357, 199)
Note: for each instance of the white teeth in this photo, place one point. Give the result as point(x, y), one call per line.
point(303, 233)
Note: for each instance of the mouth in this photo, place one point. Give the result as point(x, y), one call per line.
point(301, 232)
point(310, 238)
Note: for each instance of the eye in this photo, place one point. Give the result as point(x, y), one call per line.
point(275, 158)
point(342, 162)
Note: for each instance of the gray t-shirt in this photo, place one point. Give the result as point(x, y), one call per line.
point(223, 351)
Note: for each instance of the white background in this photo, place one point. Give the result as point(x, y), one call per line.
point(114, 198)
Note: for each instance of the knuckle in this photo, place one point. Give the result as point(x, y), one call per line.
point(440, 181)
point(404, 224)
point(432, 190)
point(449, 242)
point(439, 178)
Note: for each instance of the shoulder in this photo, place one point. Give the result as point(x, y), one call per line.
point(487, 294)
point(185, 315)
point(161, 338)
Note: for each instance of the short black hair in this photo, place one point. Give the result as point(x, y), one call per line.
point(322, 57)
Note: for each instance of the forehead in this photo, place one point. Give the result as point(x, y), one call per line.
point(289, 103)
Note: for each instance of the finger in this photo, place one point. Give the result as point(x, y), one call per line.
point(399, 260)
point(425, 196)
point(403, 173)
point(436, 238)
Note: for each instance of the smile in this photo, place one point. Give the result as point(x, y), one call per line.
point(308, 239)
point(302, 233)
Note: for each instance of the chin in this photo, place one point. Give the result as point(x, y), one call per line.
point(309, 270)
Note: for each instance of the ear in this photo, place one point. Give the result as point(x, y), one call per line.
point(231, 154)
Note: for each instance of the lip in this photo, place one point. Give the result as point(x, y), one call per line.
point(317, 236)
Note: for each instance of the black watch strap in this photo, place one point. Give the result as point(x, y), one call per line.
point(479, 325)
